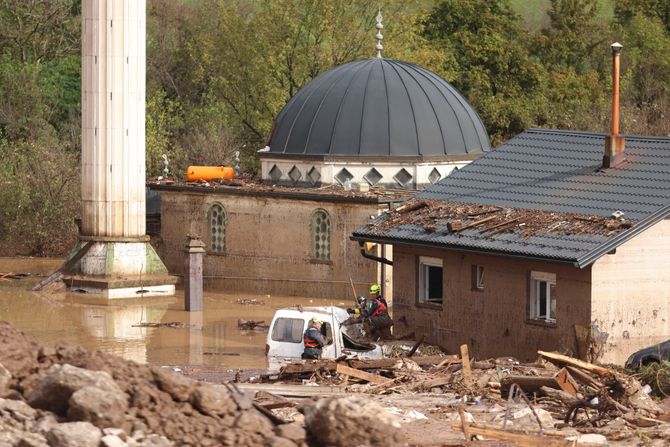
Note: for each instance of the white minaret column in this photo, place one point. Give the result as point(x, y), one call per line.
point(118, 262)
point(113, 98)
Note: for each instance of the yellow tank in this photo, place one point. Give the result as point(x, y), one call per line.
point(194, 173)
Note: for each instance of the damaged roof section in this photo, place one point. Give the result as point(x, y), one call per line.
point(541, 195)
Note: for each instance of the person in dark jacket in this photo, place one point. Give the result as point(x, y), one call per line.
point(374, 312)
point(313, 340)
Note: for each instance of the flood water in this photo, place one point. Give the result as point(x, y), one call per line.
point(93, 323)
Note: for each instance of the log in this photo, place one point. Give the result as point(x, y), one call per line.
point(353, 372)
point(560, 395)
point(584, 378)
point(560, 359)
point(411, 206)
point(331, 365)
point(65, 268)
point(416, 346)
point(516, 438)
point(431, 383)
point(456, 225)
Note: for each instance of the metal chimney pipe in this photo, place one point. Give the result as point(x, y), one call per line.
point(616, 58)
point(614, 143)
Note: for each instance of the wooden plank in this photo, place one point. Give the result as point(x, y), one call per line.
point(352, 372)
point(331, 365)
point(455, 225)
point(66, 267)
point(529, 384)
point(584, 378)
point(583, 337)
point(465, 359)
point(518, 439)
point(565, 381)
point(564, 359)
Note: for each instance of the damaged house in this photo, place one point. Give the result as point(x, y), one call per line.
point(557, 240)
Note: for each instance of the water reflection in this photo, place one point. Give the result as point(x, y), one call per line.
point(212, 340)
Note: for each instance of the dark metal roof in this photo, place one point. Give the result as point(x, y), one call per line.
point(378, 107)
point(555, 171)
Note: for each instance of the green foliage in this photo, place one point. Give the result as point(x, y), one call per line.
point(657, 376)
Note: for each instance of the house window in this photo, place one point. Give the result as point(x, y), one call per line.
point(477, 277)
point(543, 296)
point(217, 228)
point(320, 227)
point(288, 330)
point(430, 280)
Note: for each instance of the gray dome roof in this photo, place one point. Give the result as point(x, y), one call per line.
point(378, 107)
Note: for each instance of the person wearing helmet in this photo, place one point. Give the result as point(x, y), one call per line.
point(374, 312)
point(313, 340)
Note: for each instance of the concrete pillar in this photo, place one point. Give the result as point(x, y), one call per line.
point(121, 263)
point(195, 250)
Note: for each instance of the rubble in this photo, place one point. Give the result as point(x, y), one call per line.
point(540, 403)
point(490, 220)
point(70, 396)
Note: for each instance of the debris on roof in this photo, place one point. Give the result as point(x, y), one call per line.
point(250, 183)
point(453, 217)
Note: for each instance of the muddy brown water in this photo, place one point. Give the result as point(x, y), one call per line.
point(57, 316)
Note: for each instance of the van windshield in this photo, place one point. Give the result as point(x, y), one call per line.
point(288, 330)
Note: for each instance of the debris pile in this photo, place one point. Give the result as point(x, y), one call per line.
point(557, 396)
point(67, 396)
point(490, 220)
point(250, 183)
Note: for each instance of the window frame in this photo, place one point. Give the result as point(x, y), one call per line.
point(423, 283)
point(539, 280)
point(477, 280)
point(314, 255)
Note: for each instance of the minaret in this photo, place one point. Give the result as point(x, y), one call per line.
point(121, 262)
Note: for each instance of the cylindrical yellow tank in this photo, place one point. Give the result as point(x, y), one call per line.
point(194, 173)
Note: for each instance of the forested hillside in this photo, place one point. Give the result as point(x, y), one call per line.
point(218, 72)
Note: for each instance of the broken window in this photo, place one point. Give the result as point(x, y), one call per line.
point(217, 227)
point(320, 227)
point(288, 330)
point(478, 277)
point(430, 280)
point(543, 296)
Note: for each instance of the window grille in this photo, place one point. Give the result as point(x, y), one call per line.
point(320, 227)
point(217, 228)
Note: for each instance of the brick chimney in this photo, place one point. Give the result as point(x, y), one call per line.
point(614, 143)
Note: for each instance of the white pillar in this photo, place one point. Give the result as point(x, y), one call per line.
point(113, 98)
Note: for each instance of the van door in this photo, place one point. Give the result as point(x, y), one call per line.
point(286, 337)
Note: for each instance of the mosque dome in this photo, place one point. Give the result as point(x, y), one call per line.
point(378, 108)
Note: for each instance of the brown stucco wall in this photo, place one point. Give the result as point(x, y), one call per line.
point(493, 322)
point(631, 294)
point(268, 244)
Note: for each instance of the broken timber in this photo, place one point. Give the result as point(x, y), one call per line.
point(66, 267)
point(456, 225)
point(564, 359)
point(353, 372)
point(519, 439)
point(331, 365)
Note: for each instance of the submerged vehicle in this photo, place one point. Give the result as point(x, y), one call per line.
point(652, 354)
point(284, 340)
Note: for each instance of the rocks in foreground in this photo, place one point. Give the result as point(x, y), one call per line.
point(68, 396)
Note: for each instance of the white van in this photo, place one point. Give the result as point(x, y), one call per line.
point(288, 326)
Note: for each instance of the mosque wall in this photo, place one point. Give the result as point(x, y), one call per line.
point(268, 245)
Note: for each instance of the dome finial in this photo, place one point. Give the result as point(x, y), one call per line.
point(379, 47)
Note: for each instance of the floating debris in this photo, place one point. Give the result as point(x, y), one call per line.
point(172, 325)
point(249, 302)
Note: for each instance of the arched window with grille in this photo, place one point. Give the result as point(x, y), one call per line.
point(217, 219)
point(320, 227)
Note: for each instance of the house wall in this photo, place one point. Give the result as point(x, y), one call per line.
point(268, 246)
point(493, 322)
point(631, 294)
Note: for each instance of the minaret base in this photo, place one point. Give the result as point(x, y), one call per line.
point(120, 268)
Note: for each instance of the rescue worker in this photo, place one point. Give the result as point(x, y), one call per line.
point(374, 311)
point(313, 340)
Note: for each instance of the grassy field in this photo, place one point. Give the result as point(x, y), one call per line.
point(534, 11)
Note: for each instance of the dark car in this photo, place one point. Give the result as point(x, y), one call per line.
point(652, 354)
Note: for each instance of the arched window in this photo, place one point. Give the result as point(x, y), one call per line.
point(217, 219)
point(320, 227)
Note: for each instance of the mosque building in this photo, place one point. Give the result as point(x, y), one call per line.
point(351, 144)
